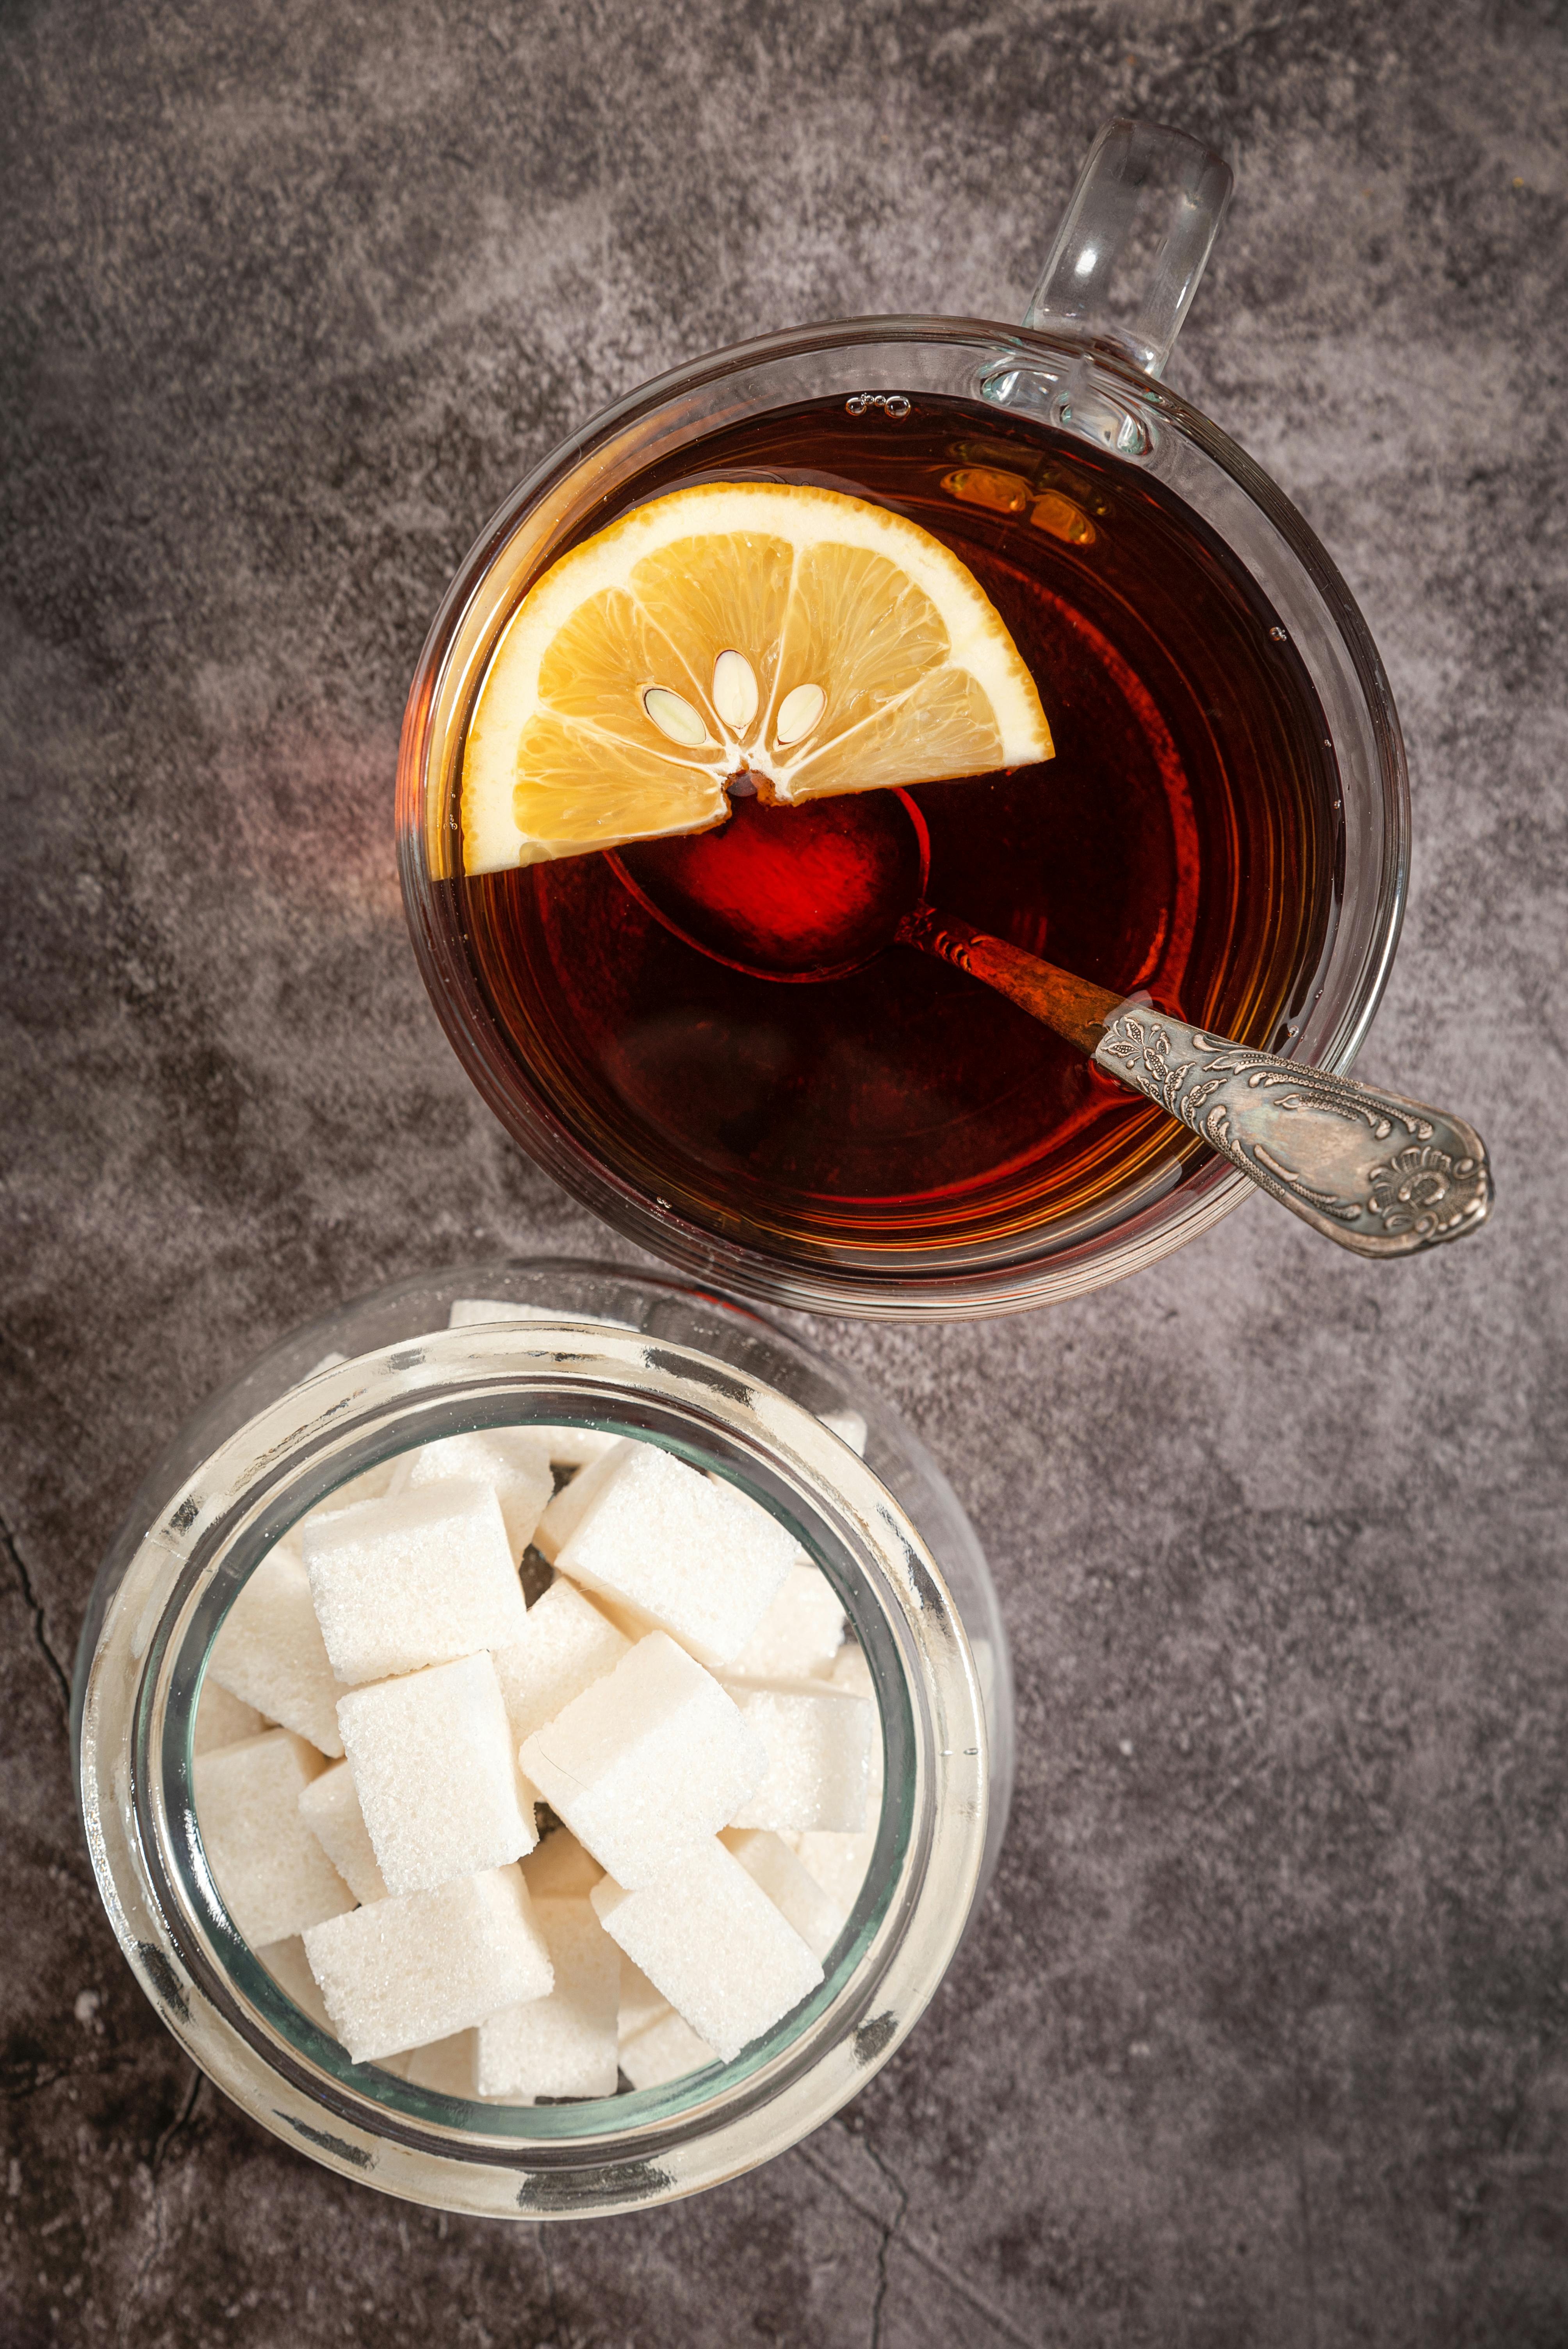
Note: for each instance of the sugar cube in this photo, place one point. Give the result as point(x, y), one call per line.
point(447, 2067)
point(566, 1645)
point(409, 1971)
point(650, 1761)
point(850, 1426)
point(565, 2044)
point(576, 1447)
point(691, 1554)
point(560, 1869)
point(368, 1485)
point(819, 1739)
point(666, 2050)
point(801, 1633)
point(434, 1769)
point(221, 1719)
point(851, 1671)
point(837, 1862)
point(714, 1944)
point(274, 1877)
point(564, 1512)
point(469, 1310)
point(640, 2003)
point(330, 1809)
point(510, 1460)
point(290, 1969)
point(420, 1578)
point(270, 1651)
point(794, 1891)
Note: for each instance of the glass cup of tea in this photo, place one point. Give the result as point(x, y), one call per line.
point(1224, 828)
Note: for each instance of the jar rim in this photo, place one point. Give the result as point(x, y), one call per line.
point(144, 1682)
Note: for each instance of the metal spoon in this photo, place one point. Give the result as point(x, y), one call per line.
point(802, 895)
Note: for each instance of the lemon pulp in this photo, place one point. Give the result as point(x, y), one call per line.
point(816, 642)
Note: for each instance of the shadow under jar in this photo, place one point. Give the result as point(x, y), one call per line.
point(717, 1387)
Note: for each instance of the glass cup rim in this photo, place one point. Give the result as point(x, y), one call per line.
point(160, 1628)
point(1134, 1240)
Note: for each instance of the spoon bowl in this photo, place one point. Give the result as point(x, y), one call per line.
point(813, 893)
point(796, 894)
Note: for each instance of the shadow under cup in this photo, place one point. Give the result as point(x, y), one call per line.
point(667, 1092)
point(671, 1368)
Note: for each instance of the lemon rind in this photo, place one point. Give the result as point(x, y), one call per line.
point(509, 693)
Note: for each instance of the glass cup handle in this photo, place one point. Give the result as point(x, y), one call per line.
point(1134, 240)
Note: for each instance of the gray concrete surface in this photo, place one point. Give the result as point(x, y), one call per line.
point(1260, 2038)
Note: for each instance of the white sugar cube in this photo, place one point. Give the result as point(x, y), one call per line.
point(561, 1869)
point(330, 1809)
point(666, 2050)
point(511, 1461)
point(447, 2067)
point(368, 1485)
point(794, 1891)
point(434, 1769)
point(221, 1719)
point(270, 1651)
point(713, 1942)
point(565, 2044)
point(819, 1743)
point(469, 1311)
point(418, 1579)
point(568, 1508)
point(650, 1761)
point(290, 1969)
point(837, 1862)
point(640, 2003)
point(801, 1633)
point(404, 1972)
point(566, 1645)
point(655, 2045)
point(850, 1671)
point(849, 1425)
point(576, 1447)
point(274, 1877)
point(690, 1555)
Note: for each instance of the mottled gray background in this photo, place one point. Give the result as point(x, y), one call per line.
point(1258, 2038)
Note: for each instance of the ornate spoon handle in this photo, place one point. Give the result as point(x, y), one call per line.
point(1380, 1174)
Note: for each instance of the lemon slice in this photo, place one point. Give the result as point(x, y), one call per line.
point(816, 641)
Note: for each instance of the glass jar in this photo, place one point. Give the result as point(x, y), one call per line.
point(609, 1349)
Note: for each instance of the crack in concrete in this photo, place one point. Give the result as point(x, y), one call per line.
point(933, 2262)
point(178, 2124)
point(161, 2151)
point(889, 2231)
point(34, 1607)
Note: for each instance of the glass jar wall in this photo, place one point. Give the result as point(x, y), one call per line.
point(613, 1350)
